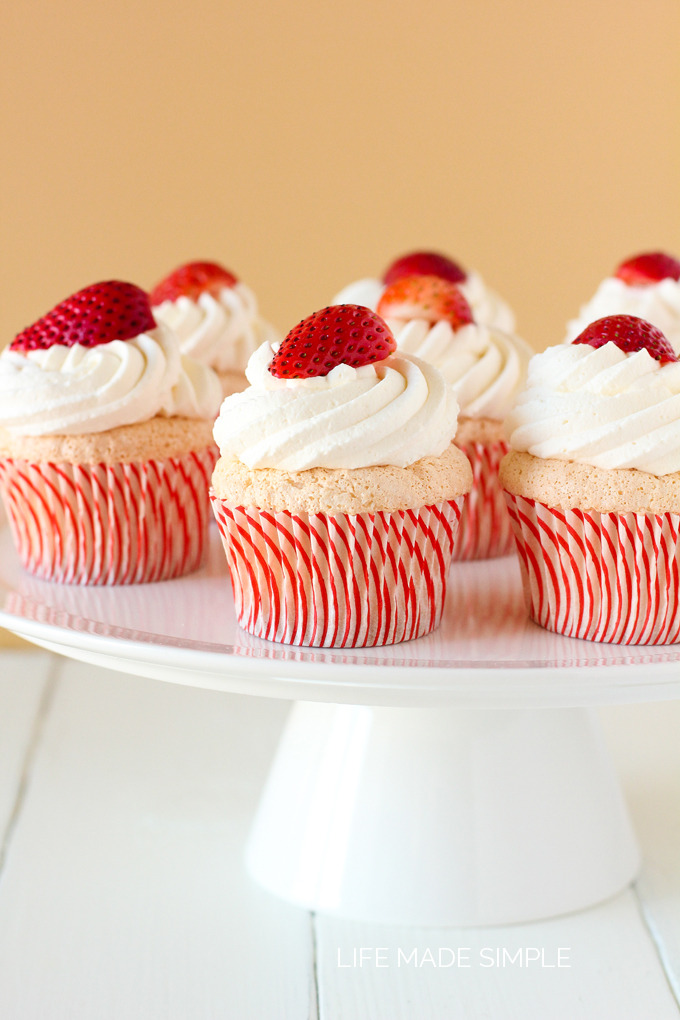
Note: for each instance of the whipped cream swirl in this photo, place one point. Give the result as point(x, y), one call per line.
point(485, 366)
point(396, 412)
point(81, 390)
point(487, 307)
point(366, 292)
point(600, 406)
point(658, 303)
point(221, 331)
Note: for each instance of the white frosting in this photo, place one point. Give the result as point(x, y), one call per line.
point(600, 406)
point(196, 394)
point(487, 307)
point(80, 390)
point(392, 412)
point(485, 366)
point(658, 303)
point(366, 292)
point(219, 331)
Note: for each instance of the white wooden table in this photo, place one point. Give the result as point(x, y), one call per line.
point(124, 805)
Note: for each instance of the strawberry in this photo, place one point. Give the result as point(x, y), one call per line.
point(630, 334)
point(101, 312)
point(338, 335)
point(425, 297)
point(424, 263)
point(644, 270)
point(191, 280)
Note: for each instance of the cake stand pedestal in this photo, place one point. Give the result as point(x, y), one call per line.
point(460, 779)
point(440, 816)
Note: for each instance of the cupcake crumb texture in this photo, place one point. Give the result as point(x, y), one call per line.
point(155, 439)
point(565, 484)
point(351, 490)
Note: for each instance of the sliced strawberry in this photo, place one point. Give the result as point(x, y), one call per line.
point(630, 334)
point(338, 335)
point(425, 297)
point(651, 267)
point(96, 315)
point(424, 263)
point(192, 280)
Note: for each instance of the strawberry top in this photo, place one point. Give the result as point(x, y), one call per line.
point(630, 334)
point(424, 263)
point(191, 280)
point(425, 297)
point(337, 335)
point(648, 268)
point(102, 312)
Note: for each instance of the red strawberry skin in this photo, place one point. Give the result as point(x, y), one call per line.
point(424, 263)
point(112, 310)
point(630, 334)
point(425, 297)
point(648, 268)
point(191, 280)
point(337, 335)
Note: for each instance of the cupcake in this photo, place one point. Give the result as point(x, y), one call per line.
point(593, 484)
point(105, 442)
point(487, 307)
point(486, 367)
point(338, 490)
point(646, 286)
point(215, 317)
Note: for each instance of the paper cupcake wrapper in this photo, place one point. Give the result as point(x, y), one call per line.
point(610, 577)
point(109, 523)
point(485, 530)
point(338, 580)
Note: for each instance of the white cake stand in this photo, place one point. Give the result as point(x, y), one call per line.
point(460, 779)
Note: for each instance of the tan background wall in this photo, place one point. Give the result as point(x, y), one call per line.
point(306, 143)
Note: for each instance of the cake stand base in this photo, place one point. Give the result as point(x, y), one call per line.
point(442, 816)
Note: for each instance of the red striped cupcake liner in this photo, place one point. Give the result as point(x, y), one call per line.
point(611, 577)
point(485, 530)
point(109, 523)
point(338, 580)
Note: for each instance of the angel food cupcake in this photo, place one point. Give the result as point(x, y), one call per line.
point(487, 307)
point(338, 490)
point(646, 286)
point(105, 442)
point(216, 318)
point(593, 485)
point(486, 367)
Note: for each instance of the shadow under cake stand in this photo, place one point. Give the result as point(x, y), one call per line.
point(460, 779)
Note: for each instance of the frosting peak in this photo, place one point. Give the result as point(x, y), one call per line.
point(658, 303)
point(221, 331)
point(76, 390)
point(487, 307)
point(600, 406)
point(393, 412)
point(485, 366)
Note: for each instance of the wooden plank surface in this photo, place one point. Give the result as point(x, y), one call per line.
point(24, 680)
point(595, 965)
point(123, 894)
point(645, 743)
